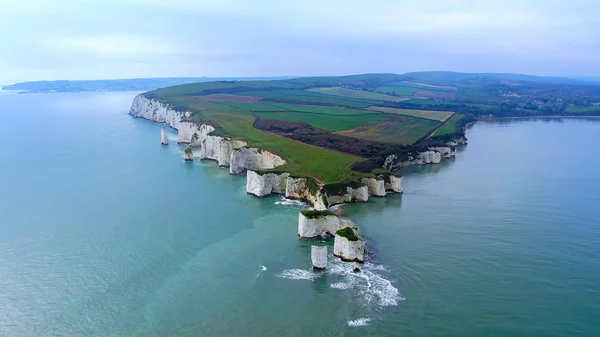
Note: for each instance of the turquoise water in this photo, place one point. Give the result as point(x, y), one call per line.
point(104, 232)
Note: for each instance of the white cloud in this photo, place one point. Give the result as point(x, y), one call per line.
point(110, 46)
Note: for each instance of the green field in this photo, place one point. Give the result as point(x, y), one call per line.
point(308, 97)
point(427, 114)
point(397, 90)
point(351, 93)
point(397, 129)
point(327, 110)
point(450, 127)
point(327, 122)
point(582, 109)
point(472, 94)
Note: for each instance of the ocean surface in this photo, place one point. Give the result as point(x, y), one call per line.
point(103, 232)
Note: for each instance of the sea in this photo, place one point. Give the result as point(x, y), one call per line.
point(104, 232)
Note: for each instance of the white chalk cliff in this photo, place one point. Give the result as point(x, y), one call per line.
point(351, 194)
point(248, 158)
point(223, 150)
point(375, 186)
point(349, 250)
point(266, 183)
point(311, 226)
point(394, 184)
point(318, 255)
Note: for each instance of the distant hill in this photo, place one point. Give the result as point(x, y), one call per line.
point(441, 77)
point(135, 84)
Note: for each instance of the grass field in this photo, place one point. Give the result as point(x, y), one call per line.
point(327, 122)
point(302, 159)
point(343, 92)
point(327, 110)
point(472, 94)
point(428, 114)
point(397, 90)
point(397, 129)
point(450, 127)
point(308, 97)
point(582, 110)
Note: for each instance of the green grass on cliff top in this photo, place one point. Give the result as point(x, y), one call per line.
point(302, 159)
point(235, 116)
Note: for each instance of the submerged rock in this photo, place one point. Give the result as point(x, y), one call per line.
point(318, 255)
point(164, 140)
point(348, 246)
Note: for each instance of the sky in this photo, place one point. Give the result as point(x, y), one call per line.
point(84, 39)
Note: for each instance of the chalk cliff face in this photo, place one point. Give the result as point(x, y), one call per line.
point(298, 188)
point(160, 112)
point(264, 184)
point(445, 151)
point(318, 255)
point(349, 250)
point(253, 159)
point(225, 151)
point(394, 184)
point(349, 195)
point(375, 186)
point(310, 227)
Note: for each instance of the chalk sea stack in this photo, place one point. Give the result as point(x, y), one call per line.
point(318, 255)
point(348, 246)
point(164, 140)
point(188, 154)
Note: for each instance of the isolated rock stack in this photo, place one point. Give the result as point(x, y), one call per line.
point(164, 140)
point(318, 255)
point(188, 154)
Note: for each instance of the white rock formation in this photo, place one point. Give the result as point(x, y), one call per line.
point(264, 184)
point(160, 112)
point(445, 151)
point(164, 140)
point(349, 250)
point(375, 186)
point(253, 159)
point(318, 255)
point(298, 188)
point(311, 226)
point(352, 194)
point(394, 185)
point(430, 157)
point(188, 154)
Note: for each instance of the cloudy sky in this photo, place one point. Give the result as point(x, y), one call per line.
point(91, 39)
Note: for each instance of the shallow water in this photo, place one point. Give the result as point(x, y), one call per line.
point(104, 232)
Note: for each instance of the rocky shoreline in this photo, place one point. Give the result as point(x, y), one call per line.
point(262, 180)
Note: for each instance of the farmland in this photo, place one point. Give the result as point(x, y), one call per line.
point(322, 121)
point(402, 130)
point(427, 114)
point(351, 93)
point(450, 127)
point(323, 126)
